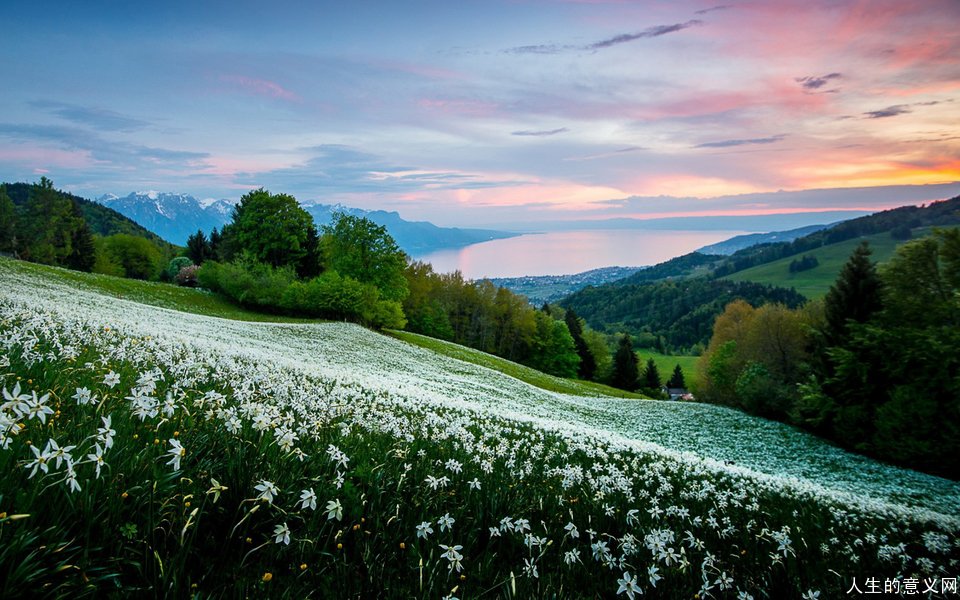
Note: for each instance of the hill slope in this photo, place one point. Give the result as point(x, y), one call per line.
point(816, 282)
point(324, 459)
point(101, 219)
point(358, 356)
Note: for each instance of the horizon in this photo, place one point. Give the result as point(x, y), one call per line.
point(474, 115)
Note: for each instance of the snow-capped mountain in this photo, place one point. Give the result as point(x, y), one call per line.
point(175, 217)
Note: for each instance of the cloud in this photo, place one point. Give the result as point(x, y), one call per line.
point(650, 32)
point(98, 118)
point(261, 87)
point(704, 11)
point(890, 111)
point(623, 38)
point(541, 133)
point(118, 154)
point(813, 83)
point(730, 143)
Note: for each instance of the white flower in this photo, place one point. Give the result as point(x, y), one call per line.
point(653, 574)
point(811, 595)
point(176, 453)
point(424, 529)
point(474, 485)
point(572, 530)
point(39, 462)
point(334, 510)
point(97, 458)
point(84, 396)
point(281, 534)
point(308, 499)
point(71, 479)
point(111, 380)
point(215, 489)
point(105, 434)
point(628, 585)
point(572, 556)
point(267, 490)
point(54, 451)
point(452, 554)
point(446, 522)
point(530, 568)
point(37, 407)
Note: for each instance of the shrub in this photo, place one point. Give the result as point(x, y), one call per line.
point(187, 276)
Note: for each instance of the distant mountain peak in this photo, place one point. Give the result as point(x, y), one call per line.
point(175, 217)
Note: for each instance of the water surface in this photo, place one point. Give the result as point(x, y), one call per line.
point(565, 252)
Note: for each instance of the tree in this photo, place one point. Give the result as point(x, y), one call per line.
point(588, 364)
point(625, 370)
point(198, 248)
point(311, 264)
point(137, 256)
point(651, 378)
point(677, 380)
point(359, 248)
point(855, 296)
point(270, 228)
point(8, 222)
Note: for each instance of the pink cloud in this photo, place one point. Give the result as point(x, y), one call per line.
point(261, 87)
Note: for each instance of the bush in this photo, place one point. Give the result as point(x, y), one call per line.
point(138, 257)
point(173, 269)
point(187, 276)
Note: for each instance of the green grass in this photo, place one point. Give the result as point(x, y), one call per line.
point(666, 363)
point(163, 295)
point(814, 283)
point(525, 374)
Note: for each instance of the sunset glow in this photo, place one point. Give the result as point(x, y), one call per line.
point(493, 112)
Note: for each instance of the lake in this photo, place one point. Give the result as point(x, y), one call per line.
point(567, 252)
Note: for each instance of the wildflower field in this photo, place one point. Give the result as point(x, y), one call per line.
point(153, 452)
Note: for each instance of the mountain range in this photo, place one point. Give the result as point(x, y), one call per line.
point(174, 217)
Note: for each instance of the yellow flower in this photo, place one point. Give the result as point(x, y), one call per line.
point(303, 567)
point(403, 546)
point(267, 576)
point(339, 546)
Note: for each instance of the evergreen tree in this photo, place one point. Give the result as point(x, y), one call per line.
point(677, 380)
point(8, 222)
point(625, 370)
point(198, 248)
point(854, 296)
point(312, 263)
point(588, 364)
point(651, 377)
point(215, 238)
point(83, 252)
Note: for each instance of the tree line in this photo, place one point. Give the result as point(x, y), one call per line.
point(874, 366)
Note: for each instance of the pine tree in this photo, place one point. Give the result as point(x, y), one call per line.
point(676, 380)
point(651, 377)
point(854, 296)
point(198, 248)
point(8, 221)
point(83, 252)
point(626, 373)
point(588, 364)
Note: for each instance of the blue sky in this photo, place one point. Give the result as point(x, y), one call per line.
point(490, 112)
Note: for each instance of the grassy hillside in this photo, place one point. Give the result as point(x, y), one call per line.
point(666, 363)
point(153, 452)
point(815, 282)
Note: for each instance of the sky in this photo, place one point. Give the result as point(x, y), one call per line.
point(491, 112)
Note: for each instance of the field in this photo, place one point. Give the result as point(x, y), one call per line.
point(815, 283)
point(155, 452)
point(666, 363)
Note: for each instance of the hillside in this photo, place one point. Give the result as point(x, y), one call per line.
point(816, 282)
point(728, 247)
point(681, 311)
point(101, 219)
point(568, 483)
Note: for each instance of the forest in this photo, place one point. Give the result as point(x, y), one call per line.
point(874, 366)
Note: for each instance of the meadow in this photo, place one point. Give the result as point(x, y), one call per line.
point(155, 452)
point(815, 283)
